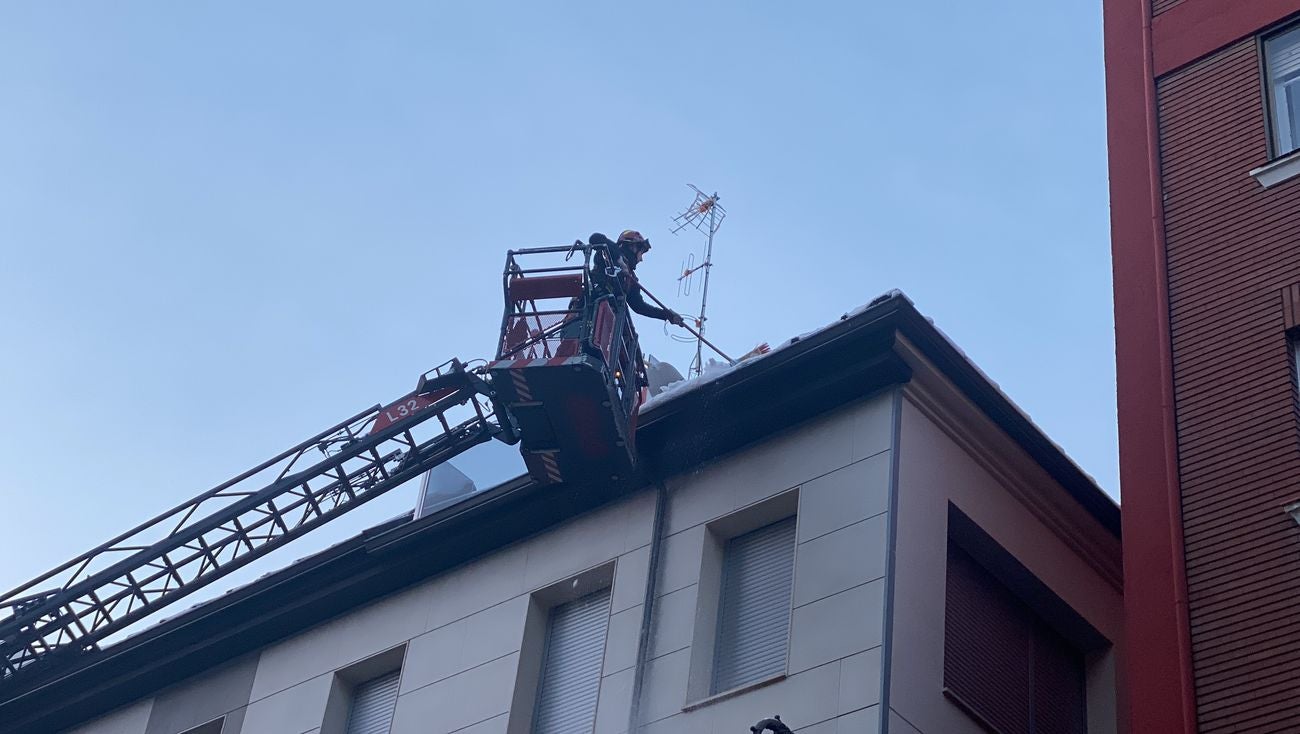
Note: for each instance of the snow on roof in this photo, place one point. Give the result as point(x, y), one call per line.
point(714, 370)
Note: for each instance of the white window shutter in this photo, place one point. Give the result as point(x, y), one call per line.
point(372, 705)
point(1283, 54)
point(754, 610)
point(571, 666)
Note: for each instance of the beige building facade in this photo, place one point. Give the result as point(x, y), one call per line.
point(806, 572)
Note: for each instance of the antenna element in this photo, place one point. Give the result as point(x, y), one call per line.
point(704, 215)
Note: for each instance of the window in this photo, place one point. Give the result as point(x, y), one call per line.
point(743, 600)
point(1282, 60)
point(571, 666)
point(1002, 663)
point(372, 705)
point(212, 727)
point(754, 606)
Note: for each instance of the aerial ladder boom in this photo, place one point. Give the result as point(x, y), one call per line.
point(102, 591)
point(566, 384)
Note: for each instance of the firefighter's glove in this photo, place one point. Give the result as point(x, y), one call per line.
point(676, 319)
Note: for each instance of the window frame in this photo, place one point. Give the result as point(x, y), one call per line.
point(532, 653)
point(719, 636)
point(1048, 610)
point(548, 649)
point(338, 706)
point(1036, 633)
point(1271, 117)
point(704, 641)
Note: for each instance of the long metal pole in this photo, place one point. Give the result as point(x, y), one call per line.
point(693, 332)
point(698, 365)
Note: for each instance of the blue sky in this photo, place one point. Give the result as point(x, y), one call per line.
point(224, 227)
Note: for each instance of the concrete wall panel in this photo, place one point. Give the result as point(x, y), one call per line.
point(841, 560)
point(342, 641)
point(845, 496)
point(291, 711)
point(477, 585)
point(494, 725)
point(615, 701)
point(575, 546)
point(621, 640)
point(664, 690)
point(204, 698)
point(679, 562)
point(465, 699)
point(860, 681)
point(479, 638)
point(787, 460)
point(629, 584)
point(130, 719)
point(800, 700)
point(837, 626)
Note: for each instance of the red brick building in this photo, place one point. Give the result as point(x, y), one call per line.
point(1203, 102)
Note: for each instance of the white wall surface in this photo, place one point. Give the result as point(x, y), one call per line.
point(840, 466)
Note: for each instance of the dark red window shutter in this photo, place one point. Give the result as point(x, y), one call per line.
point(1059, 706)
point(1001, 663)
point(986, 663)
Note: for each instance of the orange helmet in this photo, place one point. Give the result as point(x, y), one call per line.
point(633, 238)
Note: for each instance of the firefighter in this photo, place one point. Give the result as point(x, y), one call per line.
point(627, 252)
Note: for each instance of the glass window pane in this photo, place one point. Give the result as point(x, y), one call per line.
point(1282, 53)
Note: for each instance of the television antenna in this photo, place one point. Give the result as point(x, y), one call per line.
point(704, 215)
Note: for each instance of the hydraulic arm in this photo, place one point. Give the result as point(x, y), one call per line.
point(101, 592)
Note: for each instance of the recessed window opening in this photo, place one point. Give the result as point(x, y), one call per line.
point(754, 608)
point(1282, 63)
point(571, 665)
point(1004, 665)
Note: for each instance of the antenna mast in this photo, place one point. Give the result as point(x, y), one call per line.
point(705, 215)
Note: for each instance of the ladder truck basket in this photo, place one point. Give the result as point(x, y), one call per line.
point(568, 366)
